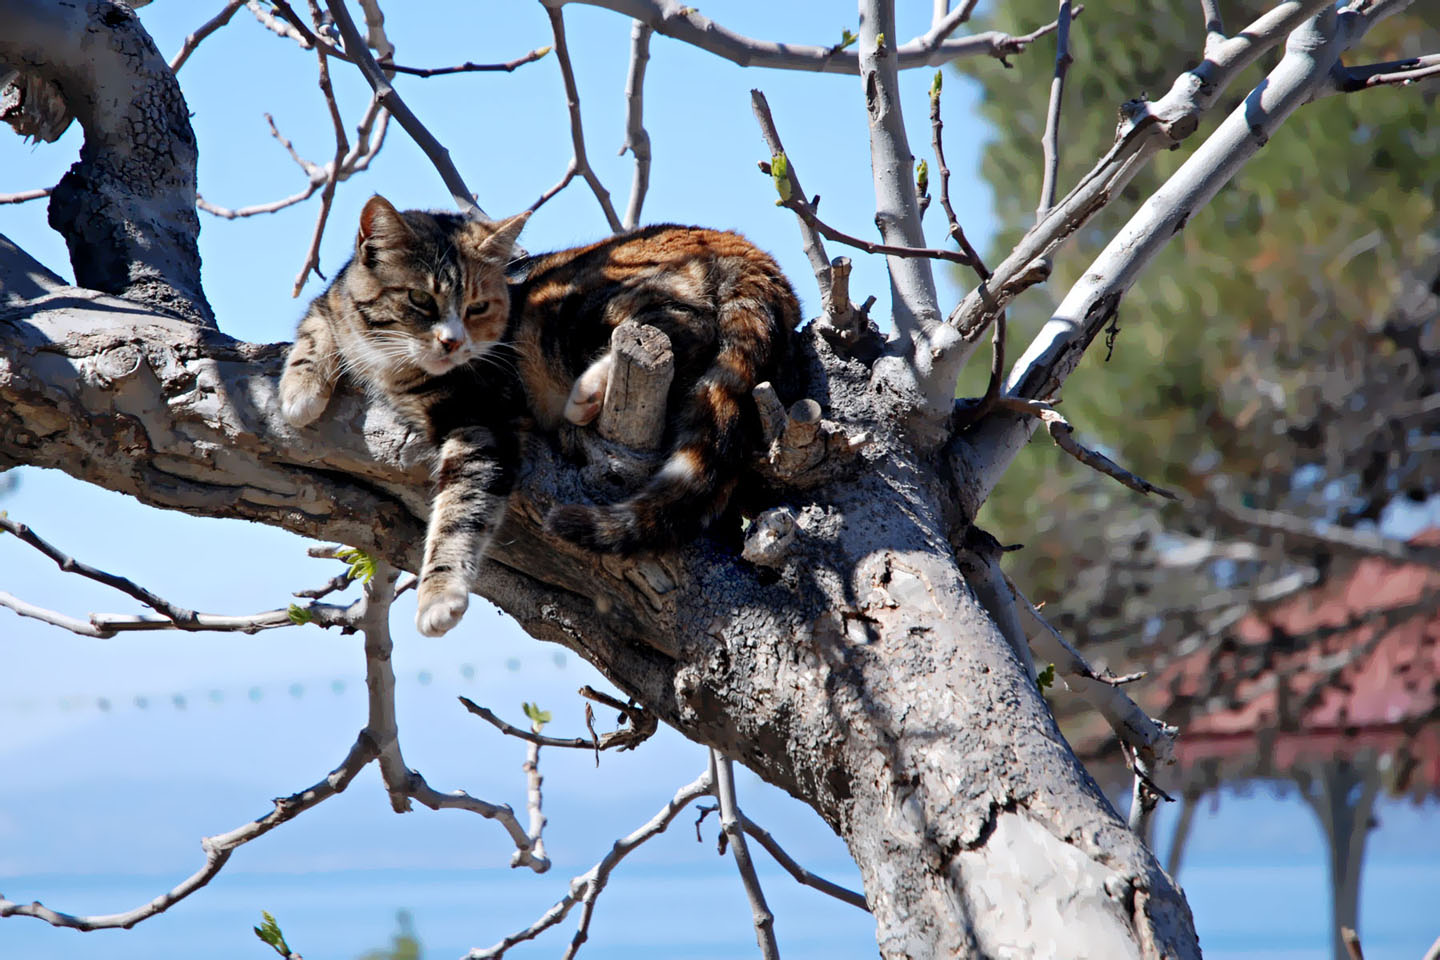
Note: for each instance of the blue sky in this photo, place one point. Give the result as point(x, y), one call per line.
point(102, 809)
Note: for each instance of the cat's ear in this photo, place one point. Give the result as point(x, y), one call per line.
point(381, 228)
point(501, 243)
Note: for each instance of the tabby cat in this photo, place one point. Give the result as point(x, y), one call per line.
point(425, 318)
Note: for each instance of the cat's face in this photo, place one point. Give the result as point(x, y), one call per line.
point(429, 289)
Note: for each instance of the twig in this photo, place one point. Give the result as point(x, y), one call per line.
point(68, 564)
point(1303, 532)
point(210, 26)
point(579, 163)
point(332, 177)
point(723, 771)
point(688, 25)
point(372, 617)
point(217, 850)
point(534, 801)
point(809, 238)
point(1147, 737)
point(641, 727)
point(1050, 139)
point(1353, 79)
point(1064, 436)
point(802, 875)
point(25, 195)
point(1214, 26)
point(637, 140)
point(391, 101)
point(467, 67)
point(586, 887)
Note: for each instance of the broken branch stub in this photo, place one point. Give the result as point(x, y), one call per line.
point(633, 413)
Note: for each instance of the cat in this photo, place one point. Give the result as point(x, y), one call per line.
point(425, 319)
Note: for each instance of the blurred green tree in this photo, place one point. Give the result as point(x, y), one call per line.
point(1284, 363)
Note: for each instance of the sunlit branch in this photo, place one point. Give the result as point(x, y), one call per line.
point(217, 851)
point(637, 140)
point(579, 162)
point(723, 772)
point(585, 888)
point(687, 24)
point(391, 100)
point(204, 30)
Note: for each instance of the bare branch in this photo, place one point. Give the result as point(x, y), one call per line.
point(1147, 737)
point(688, 25)
point(1055, 352)
point(534, 801)
point(1050, 139)
point(809, 237)
point(372, 617)
point(467, 67)
point(1301, 533)
point(1064, 436)
point(641, 728)
point(332, 177)
point(1146, 129)
point(217, 850)
point(204, 30)
point(763, 837)
point(637, 140)
point(579, 163)
point(723, 771)
point(68, 564)
point(1352, 79)
point(25, 195)
point(1214, 26)
point(586, 887)
point(915, 308)
point(391, 101)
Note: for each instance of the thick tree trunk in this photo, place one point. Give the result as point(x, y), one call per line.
point(858, 672)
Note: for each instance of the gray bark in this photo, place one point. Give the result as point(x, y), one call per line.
point(858, 672)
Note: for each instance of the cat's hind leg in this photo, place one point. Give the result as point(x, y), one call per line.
point(588, 393)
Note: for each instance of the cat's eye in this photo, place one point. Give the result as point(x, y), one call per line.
point(478, 309)
point(423, 300)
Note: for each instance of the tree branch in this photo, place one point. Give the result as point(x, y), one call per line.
point(579, 163)
point(723, 773)
point(388, 97)
point(217, 851)
point(637, 141)
point(687, 24)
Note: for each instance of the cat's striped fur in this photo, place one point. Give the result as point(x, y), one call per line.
point(424, 317)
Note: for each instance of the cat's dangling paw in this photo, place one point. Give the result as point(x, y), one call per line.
point(588, 394)
point(302, 398)
point(440, 610)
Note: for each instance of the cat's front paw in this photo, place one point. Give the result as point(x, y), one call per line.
point(302, 399)
point(440, 609)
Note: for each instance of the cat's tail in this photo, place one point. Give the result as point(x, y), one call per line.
point(713, 430)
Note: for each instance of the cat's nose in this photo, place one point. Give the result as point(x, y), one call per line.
point(448, 344)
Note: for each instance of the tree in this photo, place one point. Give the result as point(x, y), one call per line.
point(864, 651)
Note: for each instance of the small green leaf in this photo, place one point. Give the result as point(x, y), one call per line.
point(922, 178)
point(538, 717)
point(299, 615)
point(1046, 678)
point(846, 39)
point(541, 52)
point(780, 173)
point(362, 565)
point(269, 932)
point(935, 85)
point(880, 41)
